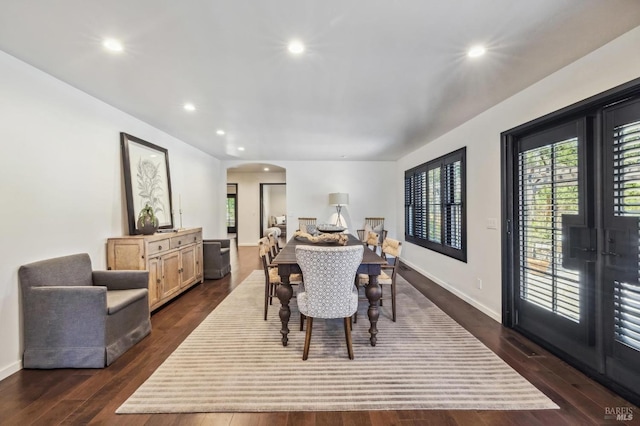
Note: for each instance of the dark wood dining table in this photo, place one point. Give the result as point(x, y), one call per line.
point(287, 265)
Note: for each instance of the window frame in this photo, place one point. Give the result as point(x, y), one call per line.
point(417, 203)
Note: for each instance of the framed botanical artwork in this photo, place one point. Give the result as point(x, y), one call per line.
point(146, 181)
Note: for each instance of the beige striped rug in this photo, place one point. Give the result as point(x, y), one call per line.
point(234, 362)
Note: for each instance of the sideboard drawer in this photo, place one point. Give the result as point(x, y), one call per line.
point(159, 246)
point(183, 240)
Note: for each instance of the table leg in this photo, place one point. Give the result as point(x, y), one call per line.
point(373, 295)
point(284, 293)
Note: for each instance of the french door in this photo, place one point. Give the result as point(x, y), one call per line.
point(620, 243)
point(572, 192)
point(232, 213)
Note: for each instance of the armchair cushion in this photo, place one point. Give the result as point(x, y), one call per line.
point(120, 299)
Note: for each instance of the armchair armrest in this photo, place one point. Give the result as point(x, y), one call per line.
point(121, 280)
point(86, 306)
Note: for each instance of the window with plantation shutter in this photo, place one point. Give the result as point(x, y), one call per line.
point(435, 215)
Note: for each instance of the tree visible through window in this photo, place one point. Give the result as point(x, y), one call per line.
point(435, 213)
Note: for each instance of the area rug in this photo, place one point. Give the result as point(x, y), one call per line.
point(234, 362)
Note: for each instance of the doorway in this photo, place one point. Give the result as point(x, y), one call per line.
point(273, 207)
point(232, 208)
point(571, 251)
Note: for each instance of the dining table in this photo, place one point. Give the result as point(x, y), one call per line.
point(287, 264)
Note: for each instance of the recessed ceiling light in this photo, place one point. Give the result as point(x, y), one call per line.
point(189, 107)
point(220, 132)
point(240, 148)
point(296, 47)
point(113, 45)
point(266, 169)
point(476, 51)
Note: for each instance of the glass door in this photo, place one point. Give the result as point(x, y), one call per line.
point(621, 206)
point(232, 214)
point(572, 246)
point(553, 269)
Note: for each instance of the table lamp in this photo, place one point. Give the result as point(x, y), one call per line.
point(338, 199)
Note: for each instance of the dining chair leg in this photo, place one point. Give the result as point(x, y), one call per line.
point(347, 334)
point(267, 290)
point(302, 317)
point(307, 339)
point(393, 300)
point(272, 292)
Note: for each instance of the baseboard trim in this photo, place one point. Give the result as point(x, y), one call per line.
point(479, 306)
point(10, 369)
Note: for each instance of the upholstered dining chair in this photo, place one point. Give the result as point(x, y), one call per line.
point(391, 253)
point(328, 290)
point(271, 278)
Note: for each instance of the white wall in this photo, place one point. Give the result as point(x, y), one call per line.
point(61, 182)
point(605, 68)
point(308, 186)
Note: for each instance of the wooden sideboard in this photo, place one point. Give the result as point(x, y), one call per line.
point(174, 261)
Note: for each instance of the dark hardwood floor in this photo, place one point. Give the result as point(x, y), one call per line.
point(74, 397)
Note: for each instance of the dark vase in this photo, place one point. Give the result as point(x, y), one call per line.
point(146, 225)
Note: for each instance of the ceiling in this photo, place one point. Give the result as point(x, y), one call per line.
point(378, 78)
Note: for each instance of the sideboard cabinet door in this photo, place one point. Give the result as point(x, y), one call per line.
point(174, 261)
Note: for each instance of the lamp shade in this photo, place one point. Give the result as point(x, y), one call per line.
point(338, 199)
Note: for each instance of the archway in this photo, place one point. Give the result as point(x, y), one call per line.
point(253, 214)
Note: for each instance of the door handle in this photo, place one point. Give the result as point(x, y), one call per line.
point(609, 253)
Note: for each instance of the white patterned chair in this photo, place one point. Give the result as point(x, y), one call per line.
point(328, 290)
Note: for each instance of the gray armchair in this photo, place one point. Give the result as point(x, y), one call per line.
point(78, 318)
point(216, 256)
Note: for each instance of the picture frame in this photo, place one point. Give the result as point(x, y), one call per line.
point(147, 180)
